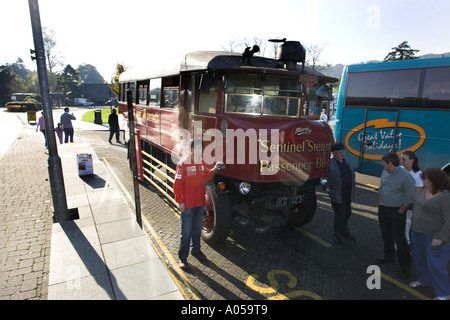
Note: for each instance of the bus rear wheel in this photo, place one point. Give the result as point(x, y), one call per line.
point(303, 213)
point(217, 220)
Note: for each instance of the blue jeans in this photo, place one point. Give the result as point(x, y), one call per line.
point(430, 262)
point(191, 229)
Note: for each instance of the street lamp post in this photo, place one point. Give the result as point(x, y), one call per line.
point(54, 161)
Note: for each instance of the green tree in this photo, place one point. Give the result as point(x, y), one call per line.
point(402, 52)
point(89, 74)
point(6, 78)
point(69, 83)
point(115, 79)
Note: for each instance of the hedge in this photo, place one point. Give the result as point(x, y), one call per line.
point(23, 106)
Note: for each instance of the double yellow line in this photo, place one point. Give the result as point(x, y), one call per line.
point(170, 259)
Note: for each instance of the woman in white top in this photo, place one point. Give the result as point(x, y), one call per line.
point(410, 163)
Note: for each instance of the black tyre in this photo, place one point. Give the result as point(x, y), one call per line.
point(217, 220)
point(303, 213)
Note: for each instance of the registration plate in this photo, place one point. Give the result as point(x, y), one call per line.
point(287, 201)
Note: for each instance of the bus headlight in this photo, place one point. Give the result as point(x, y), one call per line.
point(244, 188)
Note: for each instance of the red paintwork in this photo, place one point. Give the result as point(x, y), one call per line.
point(158, 126)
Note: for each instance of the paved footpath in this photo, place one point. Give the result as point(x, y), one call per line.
point(25, 219)
point(101, 255)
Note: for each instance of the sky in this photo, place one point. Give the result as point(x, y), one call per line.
point(133, 32)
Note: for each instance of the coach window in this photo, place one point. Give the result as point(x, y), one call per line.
point(436, 88)
point(155, 93)
point(384, 88)
point(207, 95)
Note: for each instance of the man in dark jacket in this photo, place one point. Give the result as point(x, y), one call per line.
point(113, 121)
point(341, 188)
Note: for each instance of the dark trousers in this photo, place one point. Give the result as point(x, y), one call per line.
point(113, 131)
point(342, 212)
point(392, 226)
point(68, 133)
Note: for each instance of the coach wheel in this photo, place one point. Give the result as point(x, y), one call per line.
point(217, 219)
point(303, 213)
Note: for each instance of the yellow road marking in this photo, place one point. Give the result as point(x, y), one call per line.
point(169, 256)
point(313, 237)
point(404, 287)
point(252, 278)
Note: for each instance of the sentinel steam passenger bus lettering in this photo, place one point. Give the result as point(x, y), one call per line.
point(257, 115)
point(395, 106)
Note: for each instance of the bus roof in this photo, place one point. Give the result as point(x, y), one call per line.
point(404, 64)
point(214, 60)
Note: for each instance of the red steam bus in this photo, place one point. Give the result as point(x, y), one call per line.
point(259, 116)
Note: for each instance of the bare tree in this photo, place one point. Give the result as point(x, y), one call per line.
point(51, 54)
point(232, 45)
point(239, 45)
point(314, 51)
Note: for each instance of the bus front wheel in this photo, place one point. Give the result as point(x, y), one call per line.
point(303, 213)
point(217, 220)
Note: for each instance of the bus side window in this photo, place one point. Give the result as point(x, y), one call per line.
point(131, 86)
point(436, 88)
point(171, 95)
point(142, 92)
point(208, 98)
point(155, 93)
point(190, 87)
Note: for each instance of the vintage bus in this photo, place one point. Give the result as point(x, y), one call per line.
point(259, 116)
point(395, 106)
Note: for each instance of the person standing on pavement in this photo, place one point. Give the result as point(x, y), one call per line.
point(113, 121)
point(66, 121)
point(189, 189)
point(341, 188)
point(430, 233)
point(410, 162)
point(59, 132)
point(396, 195)
point(41, 124)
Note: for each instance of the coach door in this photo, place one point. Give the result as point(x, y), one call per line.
point(376, 136)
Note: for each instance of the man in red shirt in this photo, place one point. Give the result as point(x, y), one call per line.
point(189, 190)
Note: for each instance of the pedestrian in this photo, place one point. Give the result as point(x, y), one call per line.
point(66, 121)
point(396, 195)
point(113, 121)
point(410, 163)
point(41, 125)
point(430, 233)
point(189, 190)
point(341, 188)
point(59, 132)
